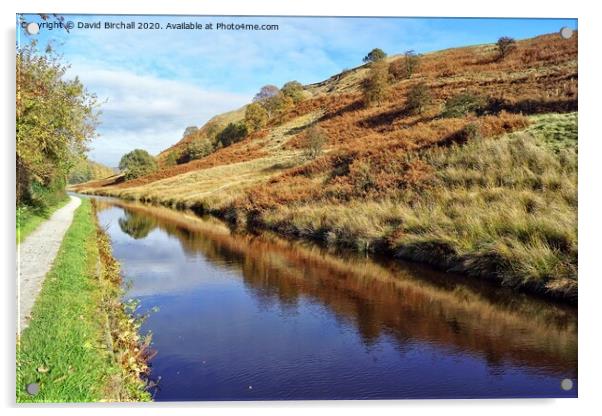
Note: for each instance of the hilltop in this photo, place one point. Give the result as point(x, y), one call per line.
point(490, 190)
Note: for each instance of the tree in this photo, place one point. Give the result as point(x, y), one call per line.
point(375, 55)
point(403, 68)
point(137, 163)
point(196, 149)
point(267, 91)
point(190, 130)
point(232, 133)
point(376, 86)
point(56, 118)
point(419, 96)
point(293, 90)
point(85, 170)
point(314, 142)
point(505, 45)
point(80, 172)
point(277, 104)
point(256, 117)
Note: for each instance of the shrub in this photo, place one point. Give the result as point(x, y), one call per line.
point(419, 96)
point(137, 163)
point(256, 117)
point(313, 145)
point(293, 90)
point(375, 55)
point(403, 68)
point(376, 86)
point(196, 149)
point(232, 133)
point(461, 104)
point(505, 45)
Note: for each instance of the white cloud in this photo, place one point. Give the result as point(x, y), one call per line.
point(145, 111)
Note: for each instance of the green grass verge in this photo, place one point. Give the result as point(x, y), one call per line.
point(64, 349)
point(29, 218)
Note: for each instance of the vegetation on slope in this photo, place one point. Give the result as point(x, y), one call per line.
point(85, 170)
point(81, 344)
point(55, 119)
point(503, 209)
point(430, 168)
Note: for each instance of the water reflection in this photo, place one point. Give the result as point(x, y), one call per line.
point(136, 226)
point(443, 322)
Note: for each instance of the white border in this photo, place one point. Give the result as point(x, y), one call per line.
point(590, 154)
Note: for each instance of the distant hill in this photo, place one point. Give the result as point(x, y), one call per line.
point(481, 180)
point(87, 170)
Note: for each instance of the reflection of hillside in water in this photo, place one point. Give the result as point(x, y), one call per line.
point(381, 299)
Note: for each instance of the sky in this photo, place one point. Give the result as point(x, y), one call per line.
point(153, 83)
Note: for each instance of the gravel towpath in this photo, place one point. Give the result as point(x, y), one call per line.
point(35, 256)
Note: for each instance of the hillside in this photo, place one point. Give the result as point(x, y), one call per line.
point(490, 192)
point(85, 170)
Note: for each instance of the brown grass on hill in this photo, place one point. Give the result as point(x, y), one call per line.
point(539, 76)
point(238, 152)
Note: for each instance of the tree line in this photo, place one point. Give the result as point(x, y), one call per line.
point(55, 119)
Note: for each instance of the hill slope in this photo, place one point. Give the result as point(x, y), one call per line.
point(85, 170)
point(491, 193)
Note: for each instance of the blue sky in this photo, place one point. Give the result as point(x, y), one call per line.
point(154, 83)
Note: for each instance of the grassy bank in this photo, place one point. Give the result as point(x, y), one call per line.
point(80, 334)
point(503, 209)
point(30, 217)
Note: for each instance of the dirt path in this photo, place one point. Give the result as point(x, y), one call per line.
point(35, 256)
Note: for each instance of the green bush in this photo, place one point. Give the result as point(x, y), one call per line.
point(137, 163)
point(196, 149)
point(232, 133)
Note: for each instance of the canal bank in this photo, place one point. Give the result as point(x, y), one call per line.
point(82, 344)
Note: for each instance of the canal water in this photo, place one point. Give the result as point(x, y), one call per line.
point(243, 317)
